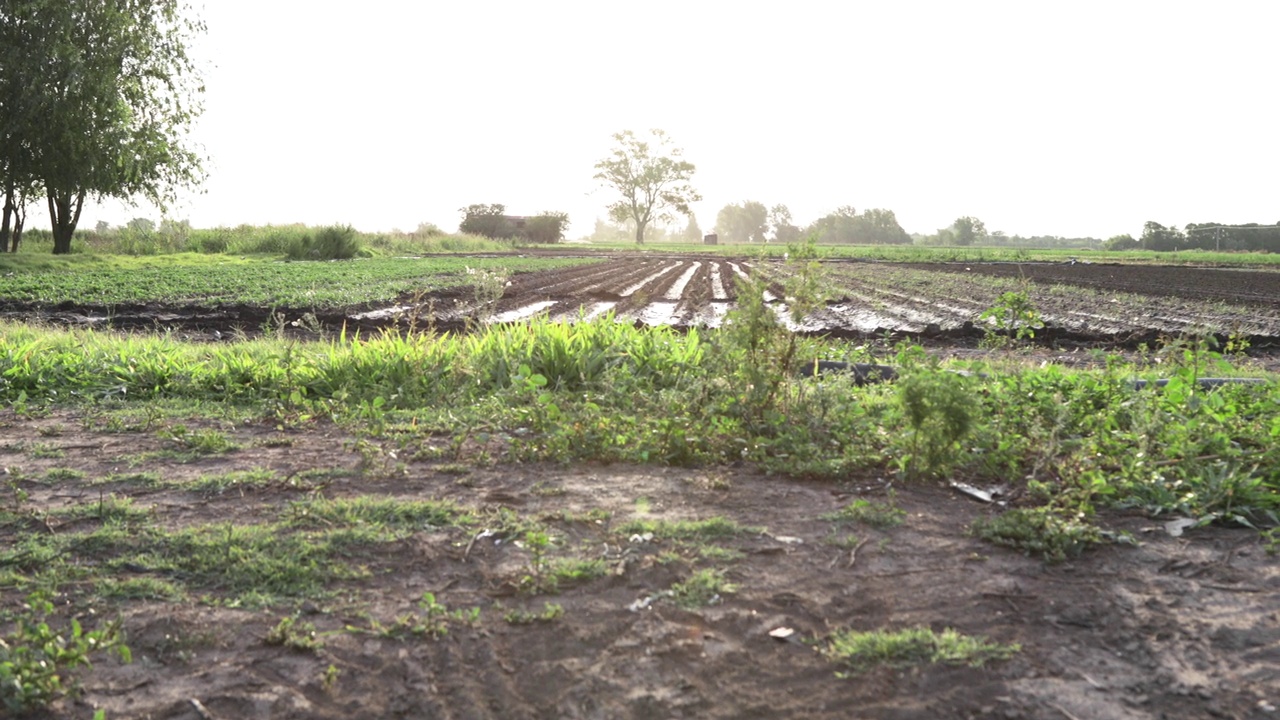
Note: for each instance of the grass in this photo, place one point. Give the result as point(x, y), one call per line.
point(264, 282)
point(861, 651)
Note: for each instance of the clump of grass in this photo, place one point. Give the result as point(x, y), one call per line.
point(861, 651)
point(705, 587)
point(709, 529)
point(1052, 532)
point(336, 242)
point(876, 514)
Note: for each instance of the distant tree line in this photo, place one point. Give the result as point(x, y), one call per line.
point(753, 222)
point(1250, 237)
point(491, 221)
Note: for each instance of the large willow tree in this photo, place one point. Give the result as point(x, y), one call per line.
point(96, 100)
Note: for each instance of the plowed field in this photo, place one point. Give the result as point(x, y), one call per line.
point(1077, 302)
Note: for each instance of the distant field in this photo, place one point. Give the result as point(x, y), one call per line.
point(912, 253)
point(222, 280)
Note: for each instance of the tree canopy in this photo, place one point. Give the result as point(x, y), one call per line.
point(651, 178)
point(96, 98)
point(743, 223)
point(871, 227)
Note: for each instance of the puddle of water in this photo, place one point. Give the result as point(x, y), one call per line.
point(382, 313)
point(522, 313)
point(628, 291)
point(658, 313)
point(717, 284)
point(598, 309)
point(677, 288)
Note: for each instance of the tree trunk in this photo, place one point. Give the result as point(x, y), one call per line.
point(64, 214)
point(19, 220)
point(4, 223)
point(640, 233)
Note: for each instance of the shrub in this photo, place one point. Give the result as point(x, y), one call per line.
point(336, 242)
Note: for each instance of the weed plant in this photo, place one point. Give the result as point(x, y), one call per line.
point(607, 391)
point(861, 651)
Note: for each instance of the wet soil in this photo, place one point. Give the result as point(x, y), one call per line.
point(1172, 627)
point(1081, 304)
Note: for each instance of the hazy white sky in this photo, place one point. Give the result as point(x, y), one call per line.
point(1062, 118)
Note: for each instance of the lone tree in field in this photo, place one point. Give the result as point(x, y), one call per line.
point(96, 98)
point(650, 176)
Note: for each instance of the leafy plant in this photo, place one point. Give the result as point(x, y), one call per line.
point(37, 662)
point(550, 612)
point(1013, 314)
point(1050, 531)
point(294, 635)
point(940, 412)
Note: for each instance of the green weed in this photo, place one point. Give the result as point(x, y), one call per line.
point(37, 662)
point(861, 651)
point(869, 512)
point(705, 587)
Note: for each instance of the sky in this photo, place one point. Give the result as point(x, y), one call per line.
point(1074, 118)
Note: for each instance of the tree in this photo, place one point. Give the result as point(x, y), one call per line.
point(882, 228)
point(548, 227)
point(691, 233)
point(873, 227)
point(1121, 242)
point(106, 95)
point(650, 176)
point(968, 230)
point(1158, 237)
point(743, 223)
point(780, 225)
point(487, 220)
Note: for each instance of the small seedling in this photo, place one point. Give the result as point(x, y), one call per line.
point(291, 634)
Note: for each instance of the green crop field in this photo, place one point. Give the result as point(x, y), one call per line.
point(221, 280)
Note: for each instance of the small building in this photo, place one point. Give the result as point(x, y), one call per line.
point(711, 239)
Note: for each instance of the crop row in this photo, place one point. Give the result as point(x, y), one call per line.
point(347, 284)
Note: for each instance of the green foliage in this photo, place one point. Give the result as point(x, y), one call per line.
point(651, 178)
point(868, 512)
point(846, 226)
point(432, 618)
point(294, 635)
point(709, 529)
point(705, 587)
point(214, 281)
point(940, 412)
point(37, 661)
point(1013, 314)
point(337, 242)
point(743, 223)
point(548, 227)
point(549, 613)
point(486, 220)
point(98, 99)
point(861, 651)
point(1051, 531)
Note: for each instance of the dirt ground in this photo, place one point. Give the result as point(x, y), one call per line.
point(1174, 627)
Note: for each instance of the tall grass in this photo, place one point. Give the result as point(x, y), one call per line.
point(296, 240)
point(609, 391)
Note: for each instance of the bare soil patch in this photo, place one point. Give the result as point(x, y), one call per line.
point(1175, 627)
